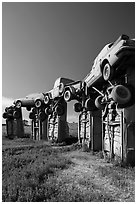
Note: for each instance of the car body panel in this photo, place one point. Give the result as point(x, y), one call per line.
point(76, 84)
point(29, 100)
point(112, 53)
point(56, 93)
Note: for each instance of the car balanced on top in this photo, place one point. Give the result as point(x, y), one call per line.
point(54, 98)
point(108, 75)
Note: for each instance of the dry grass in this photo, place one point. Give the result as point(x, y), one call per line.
point(36, 171)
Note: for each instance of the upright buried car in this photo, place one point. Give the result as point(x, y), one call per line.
point(112, 59)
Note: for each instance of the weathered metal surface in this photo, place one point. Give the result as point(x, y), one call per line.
point(89, 129)
point(119, 136)
point(14, 126)
point(57, 126)
point(39, 128)
point(119, 132)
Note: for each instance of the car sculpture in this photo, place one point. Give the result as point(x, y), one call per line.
point(32, 100)
point(75, 91)
point(34, 103)
point(111, 58)
point(78, 91)
point(109, 67)
point(58, 89)
point(55, 96)
point(12, 112)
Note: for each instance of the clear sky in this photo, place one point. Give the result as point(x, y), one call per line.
point(44, 41)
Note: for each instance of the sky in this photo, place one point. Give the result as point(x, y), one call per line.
point(42, 41)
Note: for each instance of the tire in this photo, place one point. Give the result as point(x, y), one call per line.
point(48, 111)
point(42, 116)
point(38, 103)
point(108, 72)
point(31, 116)
point(98, 103)
point(16, 114)
point(121, 94)
point(34, 110)
point(28, 108)
point(18, 104)
point(10, 116)
point(67, 96)
point(46, 100)
point(70, 94)
point(78, 107)
point(132, 100)
point(60, 110)
point(4, 115)
point(90, 105)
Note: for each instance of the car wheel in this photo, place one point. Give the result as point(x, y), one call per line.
point(67, 96)
point(31, 116)
point(5, 115)
point(28, 108)
point(131, 102)
point(90, 105)
point(48, 111)
point(16, 114)
point(98, 103)
point(108, 72)
point(18, 104)
point(78, 107)
point(59, 110)
point(121, 94)
point(38, 103)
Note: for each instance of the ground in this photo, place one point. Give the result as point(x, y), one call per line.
point(91, 174)
point(40, 171)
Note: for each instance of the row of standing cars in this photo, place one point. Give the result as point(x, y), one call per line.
point(107, 82)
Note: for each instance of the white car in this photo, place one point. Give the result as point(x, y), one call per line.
point(114, 57)
point(52, 98)
point(32, 100)
point(58, 89)
point(59, 86)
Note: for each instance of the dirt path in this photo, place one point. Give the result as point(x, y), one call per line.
point(92, 175)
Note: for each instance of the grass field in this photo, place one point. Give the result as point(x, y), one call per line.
point(35, 171)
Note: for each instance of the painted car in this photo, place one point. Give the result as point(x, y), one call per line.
point(113, 56)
